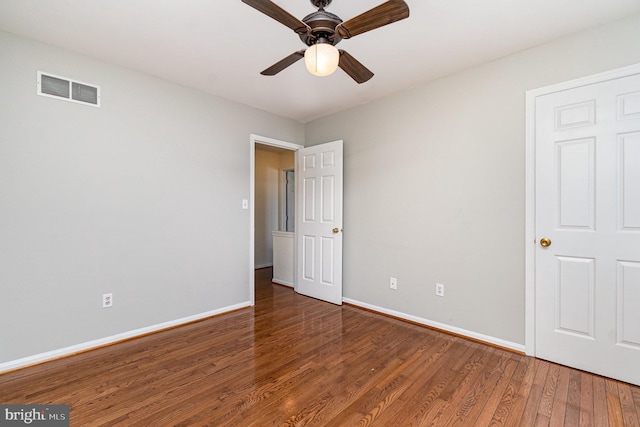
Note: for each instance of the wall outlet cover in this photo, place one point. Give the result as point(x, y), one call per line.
point(107, 300)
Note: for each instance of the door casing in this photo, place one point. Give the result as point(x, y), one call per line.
point(530, 202)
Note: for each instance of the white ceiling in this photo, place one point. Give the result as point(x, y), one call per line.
point(220, 46)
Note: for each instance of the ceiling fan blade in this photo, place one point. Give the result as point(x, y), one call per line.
point(271, 9)
point(353, 67)
point(283, 63)
point(386, 13)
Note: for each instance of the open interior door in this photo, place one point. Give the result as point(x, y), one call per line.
point(319, 221)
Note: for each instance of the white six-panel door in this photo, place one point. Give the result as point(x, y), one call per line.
point(587, 203)
point(319, 221)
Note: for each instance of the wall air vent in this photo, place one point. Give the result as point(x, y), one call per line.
point(67, 89)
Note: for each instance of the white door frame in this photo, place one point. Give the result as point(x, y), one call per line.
point(263, 140)
point(530, 202)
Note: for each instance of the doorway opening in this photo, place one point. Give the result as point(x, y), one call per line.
point(269, 202)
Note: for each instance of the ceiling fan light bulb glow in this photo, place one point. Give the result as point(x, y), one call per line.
point(321, 59)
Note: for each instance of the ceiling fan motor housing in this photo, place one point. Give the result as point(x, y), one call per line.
point(323, 25)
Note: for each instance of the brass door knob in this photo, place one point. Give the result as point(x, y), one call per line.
point(545, 241)
point(336, 230)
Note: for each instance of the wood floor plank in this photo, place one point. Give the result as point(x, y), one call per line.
point(296, 361)
point(586, 400)
point(533, 395)
point(515, 401)
point(629, 410)
point(635, 392)
point(600, 410)
point(549, 391)
point(560, 398)
point(614, 409)
point(572, 413)
point(500, 396)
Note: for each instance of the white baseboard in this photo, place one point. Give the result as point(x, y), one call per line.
point(283, 282)
point(259, 266)
point(442, 326)
point(90, 345)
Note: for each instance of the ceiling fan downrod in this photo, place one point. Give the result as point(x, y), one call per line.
point(320, 4)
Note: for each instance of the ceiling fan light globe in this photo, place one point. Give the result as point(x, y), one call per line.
point(322, 59)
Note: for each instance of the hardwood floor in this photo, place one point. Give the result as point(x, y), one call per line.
point(296, 361)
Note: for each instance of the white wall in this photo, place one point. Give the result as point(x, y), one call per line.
point(141, 197)
point(435, 184)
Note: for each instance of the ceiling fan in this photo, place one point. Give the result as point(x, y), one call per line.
point(322, 30)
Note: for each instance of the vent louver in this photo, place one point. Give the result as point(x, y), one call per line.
point(67, 89)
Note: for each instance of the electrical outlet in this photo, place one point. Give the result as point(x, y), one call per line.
point(107, 300)
point(393, 283)
point(439, 289)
